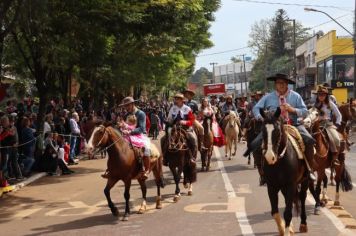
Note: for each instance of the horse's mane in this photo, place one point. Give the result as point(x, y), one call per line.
point(116, 136)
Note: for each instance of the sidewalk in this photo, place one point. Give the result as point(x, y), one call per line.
point(33, 178)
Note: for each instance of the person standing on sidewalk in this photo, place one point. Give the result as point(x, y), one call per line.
point(28, 148)
point(75, 134)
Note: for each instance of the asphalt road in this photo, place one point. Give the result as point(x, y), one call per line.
point(227, 200)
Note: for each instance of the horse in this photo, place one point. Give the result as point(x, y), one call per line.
point(283, 171)
point(348, 113)
point(232, 131)
point(323, 161)
point(207, 150)
point(123, 165)
point(177, 153)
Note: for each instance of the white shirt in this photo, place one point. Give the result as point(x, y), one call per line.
point(46, 127)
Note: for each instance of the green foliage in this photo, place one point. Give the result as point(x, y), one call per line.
point(268, 38)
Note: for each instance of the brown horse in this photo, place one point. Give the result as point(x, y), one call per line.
point(348, 112)
point(323, 161)
point(177, 152)
point(123, 165)
point(207, 150)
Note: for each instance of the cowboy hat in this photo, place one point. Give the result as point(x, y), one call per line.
point(127, 101)
point(321, 89)
point(326, 85)
point(189, 91)
point(281, 76)
point(259, 92)
point(179, 95)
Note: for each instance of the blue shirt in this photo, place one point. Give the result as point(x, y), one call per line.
point(271, 102)
point(141, 122)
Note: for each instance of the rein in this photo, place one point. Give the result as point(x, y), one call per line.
point(177, 141)
point(105, 148)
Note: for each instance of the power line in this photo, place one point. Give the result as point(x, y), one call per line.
point(329, 21)
point(294, 4)
point(215, 53)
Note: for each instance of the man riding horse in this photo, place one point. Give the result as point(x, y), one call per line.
point(226, 108)
point(131, 109)
point(292, 107)
point(183, 115)
point(189, 94)
point(255, 97)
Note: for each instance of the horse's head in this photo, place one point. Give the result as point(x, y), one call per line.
point(232, 118)
point(99, 137)
point(273, 132)
point(311, 118)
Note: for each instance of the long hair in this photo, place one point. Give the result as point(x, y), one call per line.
point(319, 104)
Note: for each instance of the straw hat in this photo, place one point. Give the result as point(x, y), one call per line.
point(179, 95)
point(321, 89)
point(127, 101)
point(189, 91)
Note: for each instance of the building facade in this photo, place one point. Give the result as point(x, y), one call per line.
point(335, 64)
point(234, 77)
point(306, 67)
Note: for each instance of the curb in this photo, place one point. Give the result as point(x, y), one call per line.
point(15, 187)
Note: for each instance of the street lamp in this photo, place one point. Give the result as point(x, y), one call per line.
point(353, 36)
point(213, 64)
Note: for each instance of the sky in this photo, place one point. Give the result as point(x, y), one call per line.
point(234, 19)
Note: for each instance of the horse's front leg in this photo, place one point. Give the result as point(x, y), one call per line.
point(144, 191)
point(288, 193)
point(273, 198)
point(109, 184)
point(176, 176)
point(127, 200)
point(235, 146)
point(303, 228)
point(226, 147)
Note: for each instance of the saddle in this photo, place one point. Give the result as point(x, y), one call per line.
point(296, 140)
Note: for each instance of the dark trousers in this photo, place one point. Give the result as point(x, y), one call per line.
point(13, 163)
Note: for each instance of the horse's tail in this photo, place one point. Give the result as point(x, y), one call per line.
point(346, 182)
point(190, 172)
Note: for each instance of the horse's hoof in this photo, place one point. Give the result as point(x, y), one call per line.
point(158, 205)
point(248, 162)
point(207, 168)
point(202, 169)
point(332, 183)
point(337, 203)
point(234, 154)
point(190, 193)
point(114, 211)
point(303, 228)
point(141, 210)
point(229, 158)
point(125, 218)
point(225, 155)
point(186, 185)
point(324, 202)
point(176, 198)
point(317, 211)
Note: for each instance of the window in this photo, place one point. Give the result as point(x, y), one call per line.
point(328, 71)
point(344, 68)
point(321, 77)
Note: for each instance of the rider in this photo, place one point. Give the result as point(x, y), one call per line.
point(292, 106)
point(328, 110)
point(183, 115)
point(129, 105)
point(189, 94)
point(255, 97)
point(227, 107)
point(331, 96)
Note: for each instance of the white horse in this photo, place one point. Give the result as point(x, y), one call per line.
point(231, 133)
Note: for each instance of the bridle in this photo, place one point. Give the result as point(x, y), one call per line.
point(102, 138)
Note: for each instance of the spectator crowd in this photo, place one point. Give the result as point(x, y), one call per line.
point(24, 148)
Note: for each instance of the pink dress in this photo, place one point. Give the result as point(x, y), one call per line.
point(137, 140)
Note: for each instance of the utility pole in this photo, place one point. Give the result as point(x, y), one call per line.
point(213, 64)
point(265, 69)
point(355, 53)
point(294, 56)
point(243, 58)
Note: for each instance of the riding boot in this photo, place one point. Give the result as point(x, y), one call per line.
point(145, 167)
point(105, 175)
point(335, 160)
point(243, 134)
point(201, 143)
point(309, 161)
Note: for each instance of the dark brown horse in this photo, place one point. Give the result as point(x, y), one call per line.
point(323, 161)
point(177, 152)
point(207, 150)
point(123, 165)
point(283, 171)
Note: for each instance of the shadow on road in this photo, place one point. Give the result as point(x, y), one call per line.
point(84, 223)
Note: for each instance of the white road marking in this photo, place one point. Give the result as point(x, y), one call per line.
point(241, 216)
point(86, 209)
point(26, 213)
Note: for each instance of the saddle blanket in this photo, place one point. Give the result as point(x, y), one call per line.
point(296, 140)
